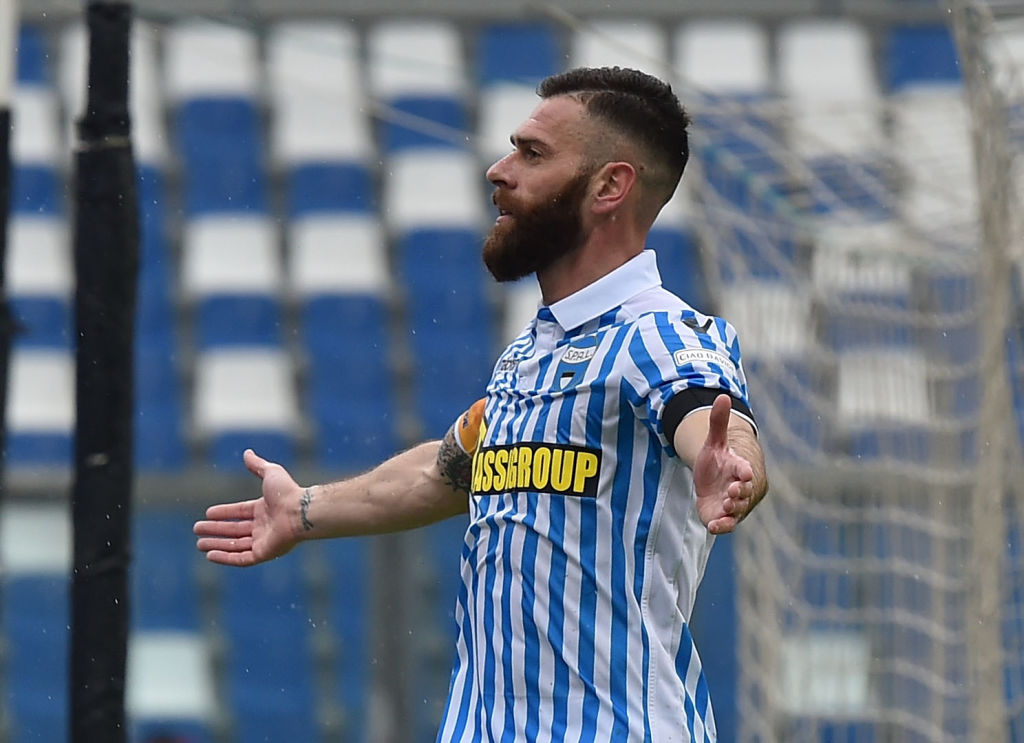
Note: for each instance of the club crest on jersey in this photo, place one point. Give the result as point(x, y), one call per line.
point(554, 469)
point(575, 360)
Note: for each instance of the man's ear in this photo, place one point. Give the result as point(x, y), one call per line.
point(612, 183)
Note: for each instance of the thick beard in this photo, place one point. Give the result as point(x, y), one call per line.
point(534, 239)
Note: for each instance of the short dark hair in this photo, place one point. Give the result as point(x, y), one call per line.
point(639, 105)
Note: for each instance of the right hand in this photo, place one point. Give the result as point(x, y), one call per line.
point(254, 531)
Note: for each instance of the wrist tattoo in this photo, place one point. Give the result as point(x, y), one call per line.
point(304, 502)
point(456, 466)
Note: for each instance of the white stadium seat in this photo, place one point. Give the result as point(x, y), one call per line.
point(35, 539)
point(521, 300)
point(640, 45)
point(41, 394)
point(415, 58)
point(724, 57)
point(35, 129)
point(868, 257)
point(503, 107)
point(38, 257)
point(170, 677)
point(337, 254)
point(315, 86)
point(230, 254)
point(882, 384)
point(773, 318)
point(826, 71)
point(431, 188)
point(206, 59)
point(242, 389)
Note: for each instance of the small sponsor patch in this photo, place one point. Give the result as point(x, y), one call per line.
point(509, 364)
point(703, 356)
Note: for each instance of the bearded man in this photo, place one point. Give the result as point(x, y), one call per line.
point(614, 441)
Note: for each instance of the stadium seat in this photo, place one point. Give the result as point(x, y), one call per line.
point(520, 301)
point(245, 397)
point(39, 274)
point(863, 278)
point(350, 607)
point(268, 625)
point(40, 408)
point(511, 59)
point(231, 271)
point(35, 622)
point(169, 685)
point(884, 404)
point(31, 55)
point(673, 239)
point(638, 44)
point(415, 58)
point(164, 572)
point(203, 59)
point(325, 187)
point(727, 57)
point(315, 86)
point(35, 550)
point(433, 188)
point(919, 55)
point(518, 53)
point(826, 72)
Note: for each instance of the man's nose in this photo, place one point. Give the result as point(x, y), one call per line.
point(498, 173)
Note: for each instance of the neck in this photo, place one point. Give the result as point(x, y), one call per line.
point(602, 253)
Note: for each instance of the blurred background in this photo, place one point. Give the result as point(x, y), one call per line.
point(312, 208)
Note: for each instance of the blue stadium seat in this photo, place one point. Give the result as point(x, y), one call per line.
point(857, 320)
point(796, 389)
point(32, 56)
point(35, 189)
point(917, 55)
point(353, 435)
point(35, 621)
point(522, 53)
point(41, 321)
point(239, 320)
point(350, 612)
point(270, 671)
point(679, 263)
point(328, 187)
point(171, 731)
point(447, 113)
point(163, 576)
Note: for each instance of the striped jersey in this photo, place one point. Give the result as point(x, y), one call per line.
point(584, 548)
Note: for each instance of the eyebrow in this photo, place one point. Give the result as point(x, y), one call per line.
point(525, 142)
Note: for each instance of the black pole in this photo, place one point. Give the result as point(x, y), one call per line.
point(6, 319)
point(106, 269)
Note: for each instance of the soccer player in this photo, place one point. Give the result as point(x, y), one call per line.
point(615, 440)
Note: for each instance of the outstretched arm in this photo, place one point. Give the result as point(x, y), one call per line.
point(727, 463)
point(417, 487)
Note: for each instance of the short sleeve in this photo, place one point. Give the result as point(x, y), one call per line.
point(678, 351)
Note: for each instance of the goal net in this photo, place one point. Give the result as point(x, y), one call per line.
point(868, 247)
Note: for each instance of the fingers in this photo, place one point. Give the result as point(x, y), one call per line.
point(236, 559)
point(220, 544)
point(232, 529)
point(723, 525)
point(255, 463)
point(718, 423)
point(231, 511)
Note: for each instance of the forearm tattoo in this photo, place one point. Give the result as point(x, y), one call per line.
point(455, 465)
point(304, 502)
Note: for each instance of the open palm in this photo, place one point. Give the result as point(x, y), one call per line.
point(253, 531)
point(723, 479)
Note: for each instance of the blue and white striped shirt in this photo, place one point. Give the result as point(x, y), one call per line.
point(584, 549)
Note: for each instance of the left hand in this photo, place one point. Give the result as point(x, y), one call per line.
point(722, 478)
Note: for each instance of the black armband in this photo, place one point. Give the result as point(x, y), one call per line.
point(695, 398)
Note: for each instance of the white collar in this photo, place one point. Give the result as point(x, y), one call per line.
point(636, 275)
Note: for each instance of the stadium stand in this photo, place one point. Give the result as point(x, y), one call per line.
point(318, 189)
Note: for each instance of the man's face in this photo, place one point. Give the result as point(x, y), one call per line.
point(539, 191)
